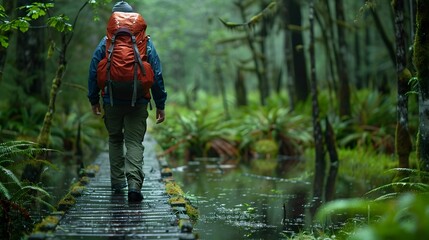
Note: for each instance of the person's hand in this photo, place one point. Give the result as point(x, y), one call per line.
point(96, 109)
point(160, 116)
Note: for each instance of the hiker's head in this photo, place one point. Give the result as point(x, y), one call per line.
point(122, 6)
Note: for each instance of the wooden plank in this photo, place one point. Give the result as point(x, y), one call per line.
point(99, 213)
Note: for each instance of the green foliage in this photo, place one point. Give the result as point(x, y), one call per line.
point(34, 11)
point(205, 131)
point(37, 9)
point(76, 126)
point(291, 131)
point(16, 197)
point(404, 217)
point(202, 132)
point(372, 125)
point(412, 181)
point(399, 210)
point(60, 23)
point(21, 122)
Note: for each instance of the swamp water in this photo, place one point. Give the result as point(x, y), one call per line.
point(236, 202)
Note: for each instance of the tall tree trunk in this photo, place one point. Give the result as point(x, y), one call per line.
point(288, 50)
point(263, 93)
point(240, 89)
point(220, 79)
point(31, 172)
point(265, 25)
point(384, 36)
point(421, 62)
point(320, 164)
point(30, 56)
point(331, 52)
point(300, 70)
point(358, 58)
point(330, 29)
point(403, 139)
point(366, 58)
point(344, 94)
point(411, 32)
point(334, 161)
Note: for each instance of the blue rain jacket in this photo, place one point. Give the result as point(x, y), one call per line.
point(159, 94)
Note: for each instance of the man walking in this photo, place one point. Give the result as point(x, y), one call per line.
point(125, 119)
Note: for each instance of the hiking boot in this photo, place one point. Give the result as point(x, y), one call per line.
point(119, 188)
point(135, 197)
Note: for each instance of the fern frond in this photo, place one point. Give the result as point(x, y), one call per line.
point(38, 189)
point(23, 192)
point(20, 148)
point(2, 162)
point(4, 191)
point(409, 171)
point(387, 196)
point(405, 186)
point(43, 202)
point(10, 175)
point(35, 162)
point(8, 149)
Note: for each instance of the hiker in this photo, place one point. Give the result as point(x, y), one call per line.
point(125, 113)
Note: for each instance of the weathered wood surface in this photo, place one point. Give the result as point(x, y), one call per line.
point(101, 214)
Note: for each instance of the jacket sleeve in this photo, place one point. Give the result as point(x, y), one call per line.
point(158, 90)
point(93, 90)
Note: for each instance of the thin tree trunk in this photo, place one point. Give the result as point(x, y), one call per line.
point(366, 58)
point(366, 55)
point(330, 29)
point(344, 94)
point(300, 70)
point(266, 23)
point(334, 162)
point(290, 71)
point(384, 36)
point(421, 62)
point(358, 58)
point(32, 173)
point(332, 85)
point(403, 138)
point(240, 89)
point(320, 164)
point(258, 69)
point(221, 84)
point(30, 57)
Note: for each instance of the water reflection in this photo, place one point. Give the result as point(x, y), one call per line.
point(63, 172)
point(236, 202)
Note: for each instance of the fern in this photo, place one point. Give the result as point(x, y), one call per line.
point(8, 173)
point(11, 188)
point(26, 194)
point(20, 148)
point(4, 192)
point(403, 186)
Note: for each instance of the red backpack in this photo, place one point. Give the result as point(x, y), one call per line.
point(124, 72)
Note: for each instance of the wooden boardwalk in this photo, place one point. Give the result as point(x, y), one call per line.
point(101, 214)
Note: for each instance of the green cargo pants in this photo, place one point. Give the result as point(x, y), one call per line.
point(126, 124)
